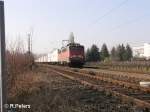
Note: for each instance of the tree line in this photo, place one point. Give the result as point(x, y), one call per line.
point(119, 53)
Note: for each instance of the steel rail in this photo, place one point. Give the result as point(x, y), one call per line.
point(110, 80)
point(137, 93)
point(124, 98)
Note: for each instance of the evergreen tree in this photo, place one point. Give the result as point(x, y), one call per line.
point(123, 53)
point(104, 52)
point(87, 56)
point(129, 52)
point(95, 55)
point(92, 54)
point(113, 54)
point(118, 53)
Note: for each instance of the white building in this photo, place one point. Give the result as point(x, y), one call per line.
point(142, 51)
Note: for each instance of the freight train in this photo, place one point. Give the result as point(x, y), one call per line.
point(71, 54)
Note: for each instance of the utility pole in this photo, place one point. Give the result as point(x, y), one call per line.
point(30, 57)
point(29, 43)
point(3, 77)
point(30, 34)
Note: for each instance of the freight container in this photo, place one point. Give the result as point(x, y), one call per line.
point(54, 55)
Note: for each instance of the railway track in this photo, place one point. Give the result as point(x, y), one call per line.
point(126, 91)
point(122, 76)
point(134, 78)
point(131, 79)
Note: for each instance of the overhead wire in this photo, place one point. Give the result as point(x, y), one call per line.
point(114, 9)
point(111, 11)
point(128, 22)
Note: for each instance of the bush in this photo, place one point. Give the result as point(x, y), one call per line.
point(17, 61)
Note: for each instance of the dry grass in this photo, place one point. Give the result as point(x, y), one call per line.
point(18, 61)
point(49, 92)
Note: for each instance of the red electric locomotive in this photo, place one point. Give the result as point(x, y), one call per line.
point(72, 54)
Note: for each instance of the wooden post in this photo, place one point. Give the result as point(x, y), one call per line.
point(2, 59)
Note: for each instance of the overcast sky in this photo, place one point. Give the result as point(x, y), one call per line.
point(91, 21)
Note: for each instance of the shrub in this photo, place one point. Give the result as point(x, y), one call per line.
point(17, 61)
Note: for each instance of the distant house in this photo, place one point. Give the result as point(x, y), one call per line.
point(142, 51)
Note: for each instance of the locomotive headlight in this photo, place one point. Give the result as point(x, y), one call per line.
point(77, 56)
point(80, 56)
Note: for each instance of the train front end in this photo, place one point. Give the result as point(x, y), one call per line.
point(76, 55)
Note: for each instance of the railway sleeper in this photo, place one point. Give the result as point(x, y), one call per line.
point(125, 98)
point(116, 82)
